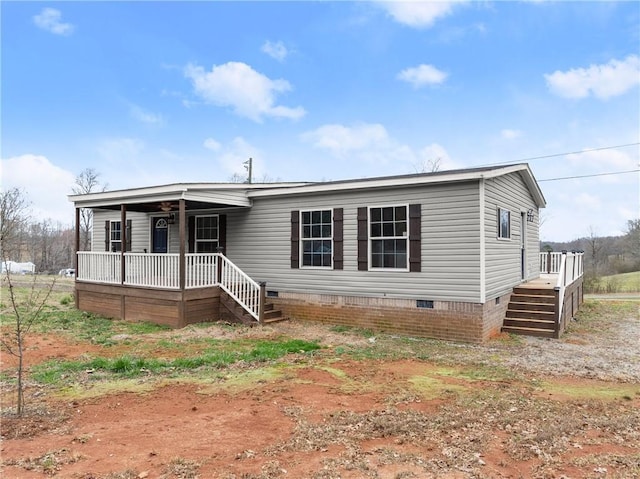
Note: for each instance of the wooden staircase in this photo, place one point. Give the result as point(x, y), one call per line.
point(239, 314)
point(532, 312)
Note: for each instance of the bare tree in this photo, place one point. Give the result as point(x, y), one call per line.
point(632, 241)
point(595, 246)
point(13, 220)
point(14, 216)
point(429, 166)
point(26, 312)
point(87, 182)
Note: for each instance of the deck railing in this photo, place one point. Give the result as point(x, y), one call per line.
point(162, 271)
point(569, 267)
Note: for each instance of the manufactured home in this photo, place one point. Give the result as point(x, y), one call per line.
point(435, 254)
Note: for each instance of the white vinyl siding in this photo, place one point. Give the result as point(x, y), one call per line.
point(140, 229)
point(259, 242)
point(502, 258)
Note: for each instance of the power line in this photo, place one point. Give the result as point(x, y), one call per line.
point(555, 155)
point(590, 176)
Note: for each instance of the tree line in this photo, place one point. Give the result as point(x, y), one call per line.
point(47, 244)
point(604, 255)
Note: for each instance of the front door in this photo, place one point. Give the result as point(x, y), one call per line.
point(159, 235)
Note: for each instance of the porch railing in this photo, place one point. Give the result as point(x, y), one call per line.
point(569, 267)
point(160, 270)
point(155, 270)
point(99, 267)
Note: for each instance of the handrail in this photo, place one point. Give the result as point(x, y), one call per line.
point(244, 290)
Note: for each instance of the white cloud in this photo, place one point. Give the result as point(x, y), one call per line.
point(120, 150)
point(250, 93)
point(422, 75)
point(603, 160)
point(144, 116)
point(342, 140)
point(49, 19)
point(587, 201)
point(275, 50)
point(418, 14)
point(371, 143)
point(509, 134)
point(602, 81)
point(211, 144)
point(46, 186)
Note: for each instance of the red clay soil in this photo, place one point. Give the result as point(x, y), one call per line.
point(221, 434)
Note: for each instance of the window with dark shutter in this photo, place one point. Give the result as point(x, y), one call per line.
point(415, 253)
point(338, 238)
point(295, 239)
point(363, 239)
point(222, 233)
point(107, 235)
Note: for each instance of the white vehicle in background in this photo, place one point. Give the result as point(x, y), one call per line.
point(67, 272)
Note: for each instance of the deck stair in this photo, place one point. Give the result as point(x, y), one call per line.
point(531, 312)
point(271, 315)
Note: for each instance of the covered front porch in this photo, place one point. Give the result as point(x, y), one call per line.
point(136, 270)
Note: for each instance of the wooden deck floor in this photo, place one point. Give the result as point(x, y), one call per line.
point(545, 281)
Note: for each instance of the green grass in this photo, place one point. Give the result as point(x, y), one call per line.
point(59, 315)
point(624, 283)
point(56, 371)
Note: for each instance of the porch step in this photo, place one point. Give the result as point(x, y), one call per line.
point(271, 315)
point(531, 312)
point(542, 333)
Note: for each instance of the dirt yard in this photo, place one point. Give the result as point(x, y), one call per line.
point(362, 406)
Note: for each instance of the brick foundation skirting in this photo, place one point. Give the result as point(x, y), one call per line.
point(457, 321)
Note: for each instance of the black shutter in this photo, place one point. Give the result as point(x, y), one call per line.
point(107, 232)
point(192, 234)
point(222, 233)
point(415, 253)
point(128, 233)
point(295, 239)
point(363, 239)
point(338, 243)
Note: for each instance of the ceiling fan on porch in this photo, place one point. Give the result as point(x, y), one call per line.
point(167, 206)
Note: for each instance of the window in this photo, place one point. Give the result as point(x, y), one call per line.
point(504, 223)
point(115, 236)
point(206, 234)
point(316, 238)
point(388, 236)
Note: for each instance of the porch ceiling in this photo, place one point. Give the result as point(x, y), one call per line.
point(156, 207)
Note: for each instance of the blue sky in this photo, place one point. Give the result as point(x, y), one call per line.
point(151, 93)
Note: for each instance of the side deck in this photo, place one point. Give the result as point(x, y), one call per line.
point(544, 306)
